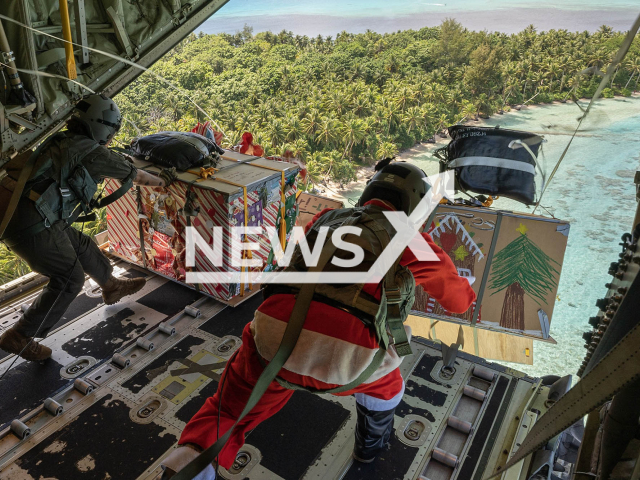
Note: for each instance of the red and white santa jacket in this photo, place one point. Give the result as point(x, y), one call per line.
point(335, 346)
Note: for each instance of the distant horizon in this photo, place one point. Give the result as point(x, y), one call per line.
point(331, 20)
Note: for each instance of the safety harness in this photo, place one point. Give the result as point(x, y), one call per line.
point(71, 190)
point(385, 315)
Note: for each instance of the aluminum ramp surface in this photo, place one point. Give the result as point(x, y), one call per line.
point(123, 413)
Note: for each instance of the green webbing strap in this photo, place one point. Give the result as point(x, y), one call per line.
point(288, 343)
point(91, 217)
point(25, 175)
point(126, 151)
point(366, 373)
point(127, 183)
point(391, 293)
point(143, 251)
point(26, 233)
point(394, 319)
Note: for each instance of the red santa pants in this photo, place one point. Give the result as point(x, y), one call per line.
point(237, 382)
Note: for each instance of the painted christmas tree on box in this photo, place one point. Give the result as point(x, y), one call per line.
point(522, 268)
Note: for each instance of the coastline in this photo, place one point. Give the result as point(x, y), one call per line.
point(334, 190)
point(337, 192)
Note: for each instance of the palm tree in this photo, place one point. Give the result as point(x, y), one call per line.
point(598, 59)
point(443, 121)
point(573, 83)
point(262, 113)
point(327, 132)
point(386, 150)
point(391, 116)
point(317, 163)
point(413, 118)
point(337, 102)
point(468, 111)
point(276, 132)
point(633, 64)
point(294, 128)
point(605, 31)
point(244, 121)
point(303, 110)
point(361, 107)
point(300, 149)
point(403, 98)
point(311, 122)
point(353, 132)
point(357, 72)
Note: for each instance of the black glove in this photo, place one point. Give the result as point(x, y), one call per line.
point(168, 175)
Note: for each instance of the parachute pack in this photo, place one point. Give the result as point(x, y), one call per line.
point(494, 161)
point(182, 150)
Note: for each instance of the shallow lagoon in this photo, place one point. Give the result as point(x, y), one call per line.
point(594, 190)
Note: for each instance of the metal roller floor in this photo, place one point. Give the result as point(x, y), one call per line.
point(128, 377)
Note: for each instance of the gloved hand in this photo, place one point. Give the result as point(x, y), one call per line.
point(168, 175)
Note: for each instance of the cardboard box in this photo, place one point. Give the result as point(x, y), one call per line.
point(156, 217)
point(516, 260)
point(490, 345)
point(309, 205)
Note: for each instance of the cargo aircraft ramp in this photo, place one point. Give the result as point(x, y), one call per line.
point(124, 379)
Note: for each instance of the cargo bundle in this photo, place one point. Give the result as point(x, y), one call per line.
point(147, 226)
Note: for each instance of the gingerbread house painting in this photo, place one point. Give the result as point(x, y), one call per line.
point(449, 233)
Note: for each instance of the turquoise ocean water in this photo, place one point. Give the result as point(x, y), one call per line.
point(593, 190)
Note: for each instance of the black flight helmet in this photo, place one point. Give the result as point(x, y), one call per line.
point(100, 115)
point(400, 183)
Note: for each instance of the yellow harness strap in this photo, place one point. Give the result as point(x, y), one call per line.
point(245, 253)
point(208, 173)
point(283, 222)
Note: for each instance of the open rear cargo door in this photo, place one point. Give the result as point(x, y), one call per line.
point(139, 31)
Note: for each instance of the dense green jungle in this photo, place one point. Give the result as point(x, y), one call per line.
point(337, 103)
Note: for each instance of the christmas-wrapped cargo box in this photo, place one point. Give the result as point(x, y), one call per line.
point(157, 217)
point(516, 260)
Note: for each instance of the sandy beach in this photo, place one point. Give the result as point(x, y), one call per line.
point(507, 20)
point(351, 190)
point(424, 150)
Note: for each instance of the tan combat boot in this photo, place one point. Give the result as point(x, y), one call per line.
point(14, 342)
point(118, 288)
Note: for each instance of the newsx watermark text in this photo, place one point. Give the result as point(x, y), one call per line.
point(407, 235)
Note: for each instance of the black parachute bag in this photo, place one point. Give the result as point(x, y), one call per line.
point(494, 161)
point(183, 150)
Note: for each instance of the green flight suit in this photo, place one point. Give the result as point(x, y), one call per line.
point(52, 251)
